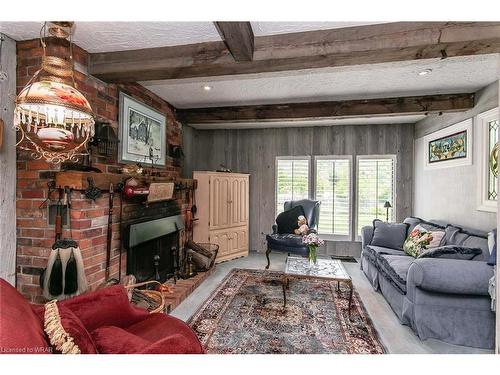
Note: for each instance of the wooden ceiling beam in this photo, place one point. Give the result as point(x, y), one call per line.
point(413, 105)
point(382, 43)
point(238, 38)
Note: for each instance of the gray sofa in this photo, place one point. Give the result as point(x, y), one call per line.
point(445, 299)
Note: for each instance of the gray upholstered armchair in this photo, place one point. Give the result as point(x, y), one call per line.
point(289, 242)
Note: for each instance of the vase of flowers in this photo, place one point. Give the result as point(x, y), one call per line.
point(312, 241)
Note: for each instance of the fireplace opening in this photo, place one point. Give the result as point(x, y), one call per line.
point(152, 248)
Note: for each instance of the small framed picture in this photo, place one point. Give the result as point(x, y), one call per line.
point(449, 147)
point(142, 132)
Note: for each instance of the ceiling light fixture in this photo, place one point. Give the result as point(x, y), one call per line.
point(424, 72)
point(207, 88)
point(54, 119)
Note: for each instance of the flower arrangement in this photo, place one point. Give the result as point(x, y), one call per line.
point(417, 242)
point(312, 241)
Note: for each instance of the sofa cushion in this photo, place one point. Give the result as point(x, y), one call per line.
point(395, 269)
point(287, 220)
point(158, 326)
point(115, 340)
point(391, 235)
point(175, 344)
point(418, 240)
point(469, 238)
point(421, 239)
point(21, 328)
point(452, 252)
point(431, 226)
point(65, 331)
point(104, 307)
point(449, 231)
point(374, 251)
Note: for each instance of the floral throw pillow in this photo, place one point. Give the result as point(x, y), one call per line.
point(418, 241)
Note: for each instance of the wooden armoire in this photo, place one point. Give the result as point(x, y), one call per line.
point(222, 202)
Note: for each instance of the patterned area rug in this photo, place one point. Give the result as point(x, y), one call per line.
point(245, 315)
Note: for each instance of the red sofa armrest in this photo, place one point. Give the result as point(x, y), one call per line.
point(175, 344)
point(105, 307)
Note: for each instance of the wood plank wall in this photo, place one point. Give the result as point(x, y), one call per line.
point(254, 151)
point(8, 164)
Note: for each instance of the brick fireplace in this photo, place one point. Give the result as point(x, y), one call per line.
point(89, 219)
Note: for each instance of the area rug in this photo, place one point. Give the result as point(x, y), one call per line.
point(245, 315)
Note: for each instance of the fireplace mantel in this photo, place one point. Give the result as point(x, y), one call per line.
point(77, 180)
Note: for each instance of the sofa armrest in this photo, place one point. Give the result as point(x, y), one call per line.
point(105, 307)
point(366, 235)
point(453, 276)
point(275, 229)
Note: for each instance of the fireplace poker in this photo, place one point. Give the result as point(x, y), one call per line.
point(110, 230)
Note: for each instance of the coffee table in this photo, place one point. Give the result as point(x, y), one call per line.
point(325, 269)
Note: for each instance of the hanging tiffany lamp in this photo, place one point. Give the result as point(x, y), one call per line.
point(54, 119)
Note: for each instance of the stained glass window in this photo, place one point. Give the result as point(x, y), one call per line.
point(492, 179)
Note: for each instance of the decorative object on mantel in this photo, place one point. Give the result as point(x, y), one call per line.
point(133, 169)
point(133, 189)
point(92, 192)
point(449, 147)
point(105, 139)
point(160, 191)
point(387, 205)
point(54, 119)
point(142, 133)
point(224, 169)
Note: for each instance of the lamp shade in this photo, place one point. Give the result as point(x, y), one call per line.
point(387, 204)
point(55, 120)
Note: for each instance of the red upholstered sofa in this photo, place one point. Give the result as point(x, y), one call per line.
point(101, 322)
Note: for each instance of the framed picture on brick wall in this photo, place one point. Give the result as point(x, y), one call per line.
point(142, 132)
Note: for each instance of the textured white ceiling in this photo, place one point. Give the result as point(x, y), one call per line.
point(271, 28)
point(411, 119)
point(119, 36)
point(453, 75)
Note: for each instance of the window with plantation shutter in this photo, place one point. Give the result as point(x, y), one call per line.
point(375, 186)
point(292, 180)
point(332, 188)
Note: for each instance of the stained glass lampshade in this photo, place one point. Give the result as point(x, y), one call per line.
point(54, 119)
